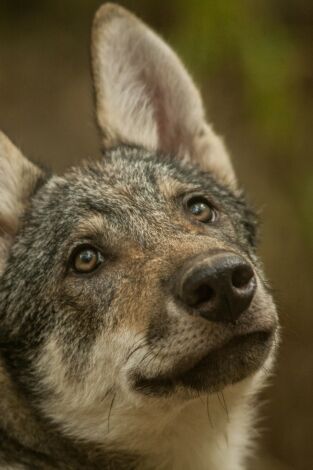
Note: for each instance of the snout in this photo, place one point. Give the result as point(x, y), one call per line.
point(218, 287)
point(188, 349)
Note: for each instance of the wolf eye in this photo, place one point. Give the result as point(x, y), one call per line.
point(86, 259)
point(201, 209)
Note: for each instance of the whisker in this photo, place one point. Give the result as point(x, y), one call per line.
point(137, 344)
point(140, 346)
point(107, 393)
point(223, 404)
point(208, 412)
point(146, 356)
point(154, 358)
point(110, 411)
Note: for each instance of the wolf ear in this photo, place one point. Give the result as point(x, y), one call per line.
point(145, 96)
point(18, 178)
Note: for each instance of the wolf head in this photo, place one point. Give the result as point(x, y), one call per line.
point(130, 287)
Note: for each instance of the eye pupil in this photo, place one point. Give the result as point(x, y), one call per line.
point(201, 209)
point(86, 259)
point(86, 256)
point(198, 208)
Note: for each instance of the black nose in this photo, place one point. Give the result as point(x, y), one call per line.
point(219, 287)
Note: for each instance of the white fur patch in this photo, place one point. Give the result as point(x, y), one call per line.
point(210, 432)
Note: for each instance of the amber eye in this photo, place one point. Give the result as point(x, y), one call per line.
point(86, 259)
point(201, 209)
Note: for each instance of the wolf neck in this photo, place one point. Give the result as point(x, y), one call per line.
point(206, 435)
point(203, 436)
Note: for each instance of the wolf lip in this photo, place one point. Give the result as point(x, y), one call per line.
point(237, 359)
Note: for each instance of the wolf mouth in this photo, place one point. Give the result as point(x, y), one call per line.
point(231, 363)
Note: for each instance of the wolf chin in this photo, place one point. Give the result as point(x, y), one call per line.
point(136, 324)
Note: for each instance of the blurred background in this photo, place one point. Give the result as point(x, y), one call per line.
point(253, 61)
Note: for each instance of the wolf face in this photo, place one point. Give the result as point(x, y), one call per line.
point(130, 287)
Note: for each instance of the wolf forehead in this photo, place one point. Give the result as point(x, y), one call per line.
point(136, 192)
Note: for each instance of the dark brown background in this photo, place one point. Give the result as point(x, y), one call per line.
point(253, 62)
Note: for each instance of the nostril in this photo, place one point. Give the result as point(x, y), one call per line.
point(242, 276)
point(203, 293)
point(195, 294)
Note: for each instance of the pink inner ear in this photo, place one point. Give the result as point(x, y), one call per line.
point(162, 119)
point(172, 135)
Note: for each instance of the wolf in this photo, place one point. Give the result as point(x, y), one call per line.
point(136, 323)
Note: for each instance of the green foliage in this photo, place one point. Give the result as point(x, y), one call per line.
point(215, 34)
point(254, 47)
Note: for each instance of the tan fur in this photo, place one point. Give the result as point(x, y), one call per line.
point(170, 187)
